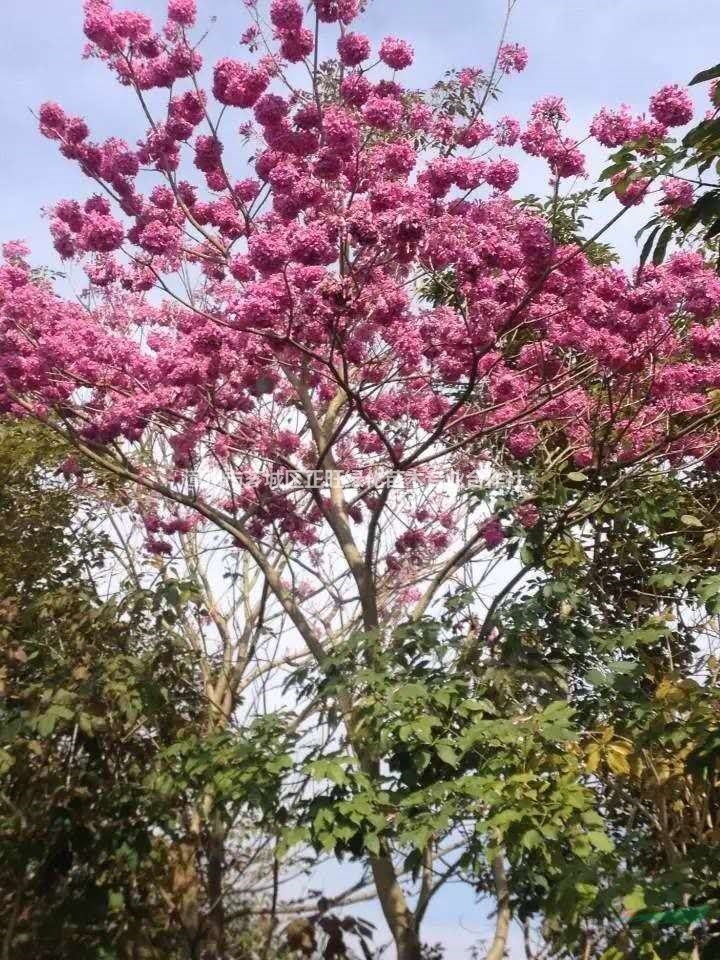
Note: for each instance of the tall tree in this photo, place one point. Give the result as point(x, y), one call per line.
point(370, 306)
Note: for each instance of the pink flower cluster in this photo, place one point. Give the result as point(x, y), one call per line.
point(542, 137)
point(669, 107)
point(182, 12)
point(238, 84)
point(353, 48)
point(512, 57)
point(305, 257)
point(630, 189)
point(397, 54)
point(672, 106)
point(677, 194)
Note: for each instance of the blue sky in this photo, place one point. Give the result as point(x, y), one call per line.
point(593, 52)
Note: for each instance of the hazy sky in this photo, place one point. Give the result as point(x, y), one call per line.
point(593, 52)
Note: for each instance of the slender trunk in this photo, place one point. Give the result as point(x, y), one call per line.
point(184, 893)
point(502, 920)
point(400, 918)
point(215, 946)
point(395, 908)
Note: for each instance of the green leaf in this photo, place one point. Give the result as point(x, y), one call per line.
point(710, 74)
point(372, 844)
point(46, 725)
point(709, 588)
point(662, 245)
point(691, 521)
point(532, 839)
point(713, 231)
point(447, 754)
point(601, 841)
point(648, 245)
point(85, 724)
point(116, 901)
point(635, 900)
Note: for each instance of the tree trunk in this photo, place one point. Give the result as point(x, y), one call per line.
point(502, 920)
point(215, 946)
point(184, 893)
point(397, 913)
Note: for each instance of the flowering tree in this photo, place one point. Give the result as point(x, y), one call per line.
point(265, 354)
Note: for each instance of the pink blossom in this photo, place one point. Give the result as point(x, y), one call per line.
point(384, 113)
point(296, 45)
point(630, 193)
point(238, 84)
point(397, 54)
point(468, 76)
point(271, 109)
point(566, 159)
point(131, 25)
point(528, 515)
point(241, 268)
point(70, 212)
point(493, 533)
point(340, 129)
point(512, 56)
point(182, 12)
point(677, 194)
point(613, 128)
point(286, 15)
point(308, 117)
point(550, 108)
point(502, 174)
point(98, 204)
point(208, 152)
point(158, 238)
point(523, 441)
point(63, 240)
point(672, 106)
point(649, 129)
point(189, 107)
point(249, 36)
point(469, 174)
point(355, 89)
point(353, 48)
point(158, 546)
point(100, 26)
point(305, 269)
point(15, 250)
point(397, 158)
point(101, 233)
point(330, 11)
point(52, 120)
point(389, 88)
point(269, 251)
point(475, 133)
point(328, 165)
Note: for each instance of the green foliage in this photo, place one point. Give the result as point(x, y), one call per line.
point(115, 778)
point(570, 220)
point(626, 632)
point(459, 750)
point(38, 535)
point(226, 772)
point(85, 844)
